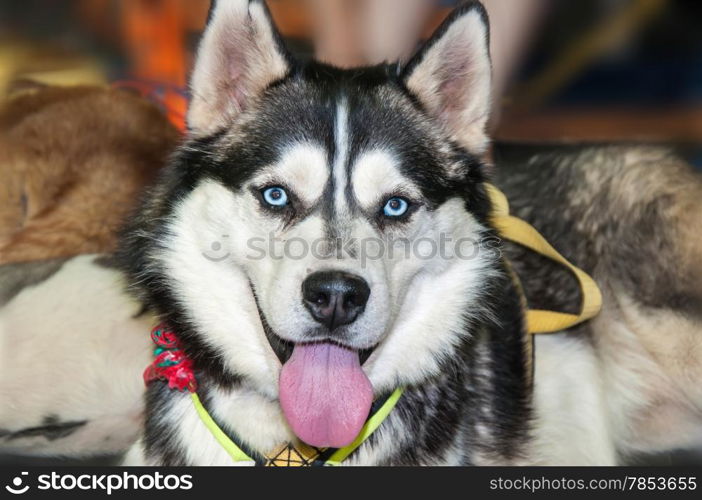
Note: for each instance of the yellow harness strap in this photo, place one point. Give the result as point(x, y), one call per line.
point(371, 425)
point(521, 232)
point(229, 446)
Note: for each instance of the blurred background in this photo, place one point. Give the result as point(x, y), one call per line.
point(575, 70)
point(578, 69)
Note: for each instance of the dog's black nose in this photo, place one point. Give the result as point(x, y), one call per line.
point(335, 298)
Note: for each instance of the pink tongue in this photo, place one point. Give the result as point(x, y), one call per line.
point(325, 395)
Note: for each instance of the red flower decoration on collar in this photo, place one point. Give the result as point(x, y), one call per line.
point(171, 363)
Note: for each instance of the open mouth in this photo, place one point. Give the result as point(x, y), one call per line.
point(324, 393)
point(283, 349)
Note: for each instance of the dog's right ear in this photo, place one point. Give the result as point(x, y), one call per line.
point(241, 53)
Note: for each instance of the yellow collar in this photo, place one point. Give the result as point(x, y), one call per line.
point(298, 454)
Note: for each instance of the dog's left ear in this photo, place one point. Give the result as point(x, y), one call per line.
point(241, 53)
point(452, 76)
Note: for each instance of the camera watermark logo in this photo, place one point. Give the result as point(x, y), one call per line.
point(18, 487)
point(217, 251)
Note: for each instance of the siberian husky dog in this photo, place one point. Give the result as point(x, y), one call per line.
point(323, 237)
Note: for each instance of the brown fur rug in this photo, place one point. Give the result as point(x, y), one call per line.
point(72, 162)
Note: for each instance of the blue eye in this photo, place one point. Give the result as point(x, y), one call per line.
point(275, 196)
point(395, 207)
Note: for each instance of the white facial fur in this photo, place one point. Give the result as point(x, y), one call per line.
point(376, 174)
point(432, 299)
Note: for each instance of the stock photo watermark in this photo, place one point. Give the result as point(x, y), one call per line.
point(364, 250)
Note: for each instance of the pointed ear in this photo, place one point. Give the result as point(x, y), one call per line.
point(452, 76)
point(240, 54)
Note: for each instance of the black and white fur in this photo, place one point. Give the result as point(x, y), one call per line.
point(341, 142)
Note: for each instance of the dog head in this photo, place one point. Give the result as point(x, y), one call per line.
point(323, 219)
